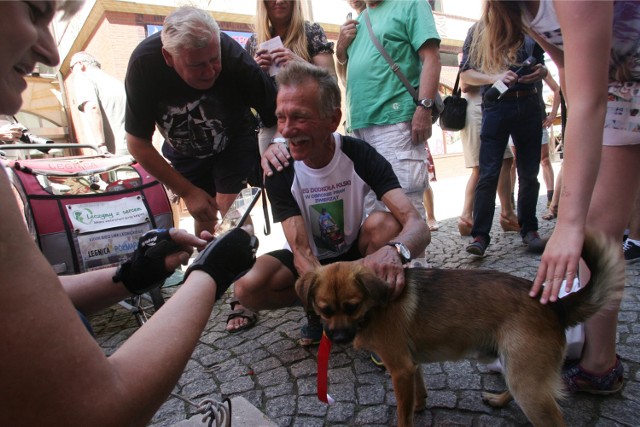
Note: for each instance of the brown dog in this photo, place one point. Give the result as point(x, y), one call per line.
point(451, 314)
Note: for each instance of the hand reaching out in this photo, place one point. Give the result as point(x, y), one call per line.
point(559, 262)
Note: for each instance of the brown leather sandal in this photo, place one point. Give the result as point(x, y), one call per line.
point(243, 313)
point(508, 224)
point(552, 213)
point(464, 227)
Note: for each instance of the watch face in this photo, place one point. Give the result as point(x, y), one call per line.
point(426, 103)
point(404, 252)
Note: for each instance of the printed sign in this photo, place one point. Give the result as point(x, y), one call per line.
point(108, 248)
point(97, 216)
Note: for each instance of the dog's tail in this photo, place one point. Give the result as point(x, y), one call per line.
point(606, 283)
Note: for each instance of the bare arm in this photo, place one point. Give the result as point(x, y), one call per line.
point(10, 133)
point(556, 100)
point(296, 235)
point(95, 290)
point(586, 90)
point(348, 32)
point(414, 233)
point(429, 78)
point(199, 203)
point(51, 363)
point(473, 77)
point(325, 60)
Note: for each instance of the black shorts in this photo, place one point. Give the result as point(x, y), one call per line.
point(226, 172)
point(285, 256)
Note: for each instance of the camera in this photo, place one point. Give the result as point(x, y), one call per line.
point(28, 138)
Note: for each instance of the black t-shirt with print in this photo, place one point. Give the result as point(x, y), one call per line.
point(196, 123)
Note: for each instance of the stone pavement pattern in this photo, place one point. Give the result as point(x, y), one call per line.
point(265, 366)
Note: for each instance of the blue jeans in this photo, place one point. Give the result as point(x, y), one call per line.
point(520, 118)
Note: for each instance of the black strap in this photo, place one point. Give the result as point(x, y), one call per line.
point(394, 67)
point(265, 211)
point(457, 91)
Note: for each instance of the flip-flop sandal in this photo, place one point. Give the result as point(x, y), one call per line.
point(241, 313)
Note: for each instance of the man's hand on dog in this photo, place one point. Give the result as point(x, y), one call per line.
point(386, 263)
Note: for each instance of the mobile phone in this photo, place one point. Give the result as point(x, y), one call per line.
point(349, 16)
point(239, 210)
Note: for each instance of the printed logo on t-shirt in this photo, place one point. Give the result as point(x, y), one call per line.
point(327, 225)
point(192, 129)
point(326, 214)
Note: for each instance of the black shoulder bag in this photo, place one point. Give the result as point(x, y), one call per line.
point(454, 114)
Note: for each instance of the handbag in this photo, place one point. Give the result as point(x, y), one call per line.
point(454, 114)
point(435, 112)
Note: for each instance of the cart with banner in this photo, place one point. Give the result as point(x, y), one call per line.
point(88, 212)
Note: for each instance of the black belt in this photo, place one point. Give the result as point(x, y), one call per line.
point(520, 93)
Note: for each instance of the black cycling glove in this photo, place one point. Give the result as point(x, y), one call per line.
point(145, 270)
point(225, 258)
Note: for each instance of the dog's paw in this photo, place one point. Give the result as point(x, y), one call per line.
point(497, 400)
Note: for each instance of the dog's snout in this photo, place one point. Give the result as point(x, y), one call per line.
point(341, 336)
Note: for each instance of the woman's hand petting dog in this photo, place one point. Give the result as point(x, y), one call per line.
point(387, 265)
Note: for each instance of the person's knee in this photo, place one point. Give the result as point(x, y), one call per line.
point(242, 292)
point(248, 287)
point(545, 162)
point(378, 228)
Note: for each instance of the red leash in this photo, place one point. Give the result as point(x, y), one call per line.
point(323, 367)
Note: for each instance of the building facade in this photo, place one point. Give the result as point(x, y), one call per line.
point(111, 29)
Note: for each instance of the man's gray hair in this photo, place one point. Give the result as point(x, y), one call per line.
point(299, 72)
point(188, 28)
point(84, 58)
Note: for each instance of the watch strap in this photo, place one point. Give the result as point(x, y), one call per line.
point(397, 246)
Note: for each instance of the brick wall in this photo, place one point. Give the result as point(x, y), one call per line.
point(115, 38)
point(117, 35)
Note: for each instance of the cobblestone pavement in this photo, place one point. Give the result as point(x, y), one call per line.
point(266, 366)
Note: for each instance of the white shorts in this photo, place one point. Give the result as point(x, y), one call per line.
point(409, 161)
point(470, 134)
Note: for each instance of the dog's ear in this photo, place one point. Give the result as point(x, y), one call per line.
point(376, 288)
point(305, 288)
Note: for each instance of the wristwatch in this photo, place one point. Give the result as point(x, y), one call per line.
point(426, 103)
point(278, 140)
point(403, 251)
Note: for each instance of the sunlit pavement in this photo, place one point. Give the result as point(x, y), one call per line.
point(265, 365)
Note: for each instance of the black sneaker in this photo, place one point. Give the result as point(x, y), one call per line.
point(534, 242)
point(478, 246)
point(631, 252)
